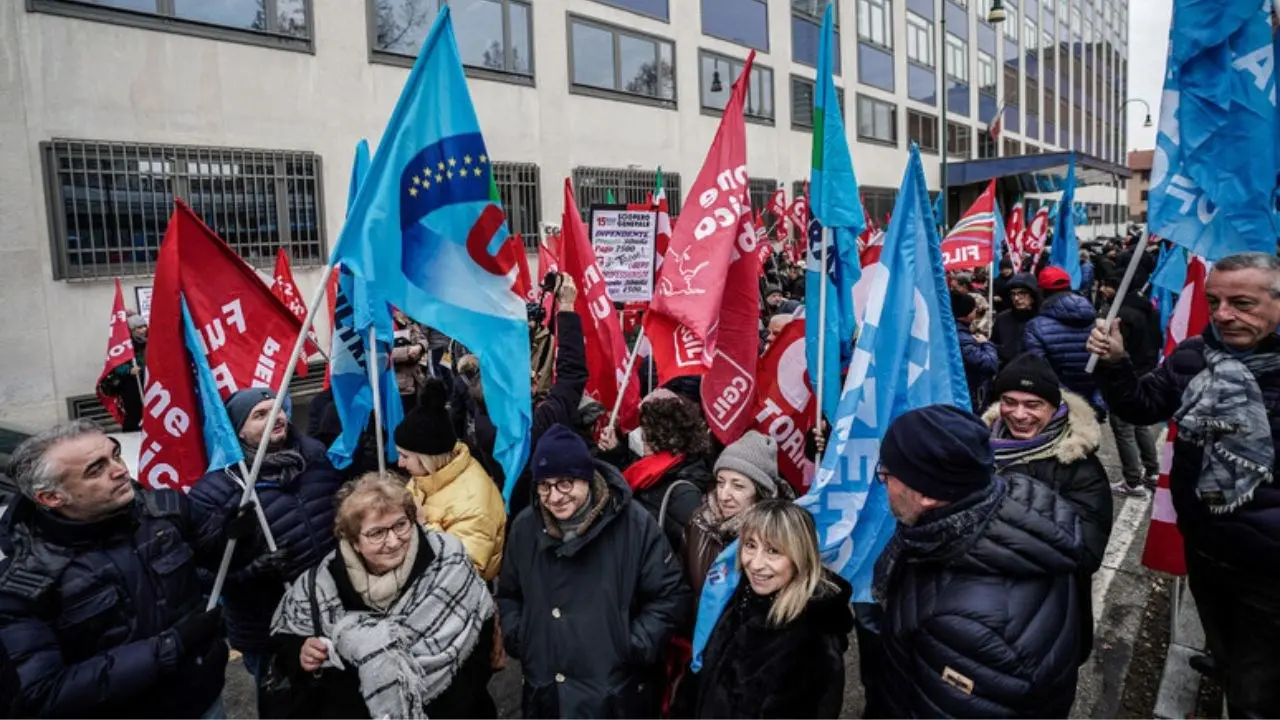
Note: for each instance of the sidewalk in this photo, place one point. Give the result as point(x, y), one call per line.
point(1180, 684)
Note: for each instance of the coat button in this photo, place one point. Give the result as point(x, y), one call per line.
point(559, 677)
point(555, 613)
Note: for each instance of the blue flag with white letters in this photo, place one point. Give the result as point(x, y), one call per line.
point(1168, 280)
point(1213, 179)
point(221, 444)
point(1065, 251)
point(428, 231)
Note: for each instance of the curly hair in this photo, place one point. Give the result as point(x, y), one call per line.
point(675, 425)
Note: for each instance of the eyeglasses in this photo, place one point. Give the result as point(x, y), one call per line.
point(562, 486)
point(882, 475)
point(378, 536)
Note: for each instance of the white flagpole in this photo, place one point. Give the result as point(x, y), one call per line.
point(1139, 249)
point(371, 359)
point(230, 549)
point(821, 319)
point(626, 377)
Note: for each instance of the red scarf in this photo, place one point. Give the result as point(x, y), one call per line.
point(647, 471)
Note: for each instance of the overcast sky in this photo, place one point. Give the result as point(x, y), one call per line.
point(1148, 45)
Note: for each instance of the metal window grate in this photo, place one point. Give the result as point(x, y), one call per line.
point(761, 190)
point(593, 184)
point(110, 203)
point(877, 202)
point(520, 186)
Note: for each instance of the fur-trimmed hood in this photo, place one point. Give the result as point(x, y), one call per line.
point(1082, 438)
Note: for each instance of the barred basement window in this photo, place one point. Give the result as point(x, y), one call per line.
point(520, 186)
point(110, 202)
point(761, 191)
point(592, 186)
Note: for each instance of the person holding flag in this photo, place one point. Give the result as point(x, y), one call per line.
point(120, 383)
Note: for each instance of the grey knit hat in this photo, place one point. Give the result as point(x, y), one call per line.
point(755, 456)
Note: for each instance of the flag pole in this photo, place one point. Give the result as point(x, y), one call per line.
point(822, 325)
point(372, 362)
point(142, 392)
point(1129, 272)
point(626, 377)
point(229, 550)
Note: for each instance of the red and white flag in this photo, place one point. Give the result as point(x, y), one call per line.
point(284, 287)
point(971, 242)
point(1036, 232)
point(997, 124)
point(870, 244)
point(778, 204)
point(783, 402)
point(662, 241)
point(1014, 231)
point(524, 286)
point(1164, 549)
point(119, 352)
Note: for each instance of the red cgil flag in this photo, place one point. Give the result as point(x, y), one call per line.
point(524, 286)
point(247, 334)
point(1164, 549)
point(119, 352)
point(331, 302)
point(778, 203)
point(284, 287)
point(971, 242)
point(783, 400)
point(1034, 235)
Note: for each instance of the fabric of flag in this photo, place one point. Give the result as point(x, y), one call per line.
point(971, 242)
point(1215, 166)
point(998, 240)
point(221, 444)
point(1037, 230)
point(609, 199)
point(662, 240)
point(284, 287)
point(1167, 280)
point(1065, 251)
point(907, 357)
point(996, 126)
point(835, 205)
point(778, 203)
point(524, 286)
point(1015, 234)
point(938, 211)
point(119, 352)
point(425, 230)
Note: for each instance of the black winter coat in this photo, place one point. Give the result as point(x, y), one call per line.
point(87, 611)
point(984, 620)
point(980, 363)
point(1249, 537)
point(687, 483)
point(752, 670)
point(1058, 334)
point(1140, 329)
point(300, 515)
point(589, 618)
point(1009, 326)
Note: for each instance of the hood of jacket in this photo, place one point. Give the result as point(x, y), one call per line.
point(829, 614)
point(431, 483)
point(619, 497)
point(1082, 438)
point(1034, 532)
point(1069, 309)
point(1024, 281)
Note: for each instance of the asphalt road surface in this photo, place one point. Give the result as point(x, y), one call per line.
point(1131, 612)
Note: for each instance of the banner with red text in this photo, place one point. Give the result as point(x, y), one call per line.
point(971, 242)
point(783, 404)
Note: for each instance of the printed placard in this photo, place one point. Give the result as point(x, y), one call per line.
point(624, 242)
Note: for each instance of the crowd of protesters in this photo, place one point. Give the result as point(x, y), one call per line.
point(400, 594)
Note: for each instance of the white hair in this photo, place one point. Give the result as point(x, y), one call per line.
point(1253, 261)
point(30, 467)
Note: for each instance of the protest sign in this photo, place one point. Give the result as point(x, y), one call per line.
point(624, 242)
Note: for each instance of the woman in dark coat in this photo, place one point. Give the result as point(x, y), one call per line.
point(778, 649)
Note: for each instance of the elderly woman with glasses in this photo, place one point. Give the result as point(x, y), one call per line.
point(405, 625)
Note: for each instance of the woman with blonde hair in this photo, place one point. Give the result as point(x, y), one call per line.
point(396, 620)
point(778, 649)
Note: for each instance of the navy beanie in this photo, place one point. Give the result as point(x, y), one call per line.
point(562, 453)
point(242, 402)
point(940, 451)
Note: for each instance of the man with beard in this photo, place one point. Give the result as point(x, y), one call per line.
point(1009, 327)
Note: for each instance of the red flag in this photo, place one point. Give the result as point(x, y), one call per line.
point(524, 286)
point(331, 301)
point(778, 203)
point(601, 329)
point(1164, 549)
point(871, 245)
point(1034, 235)
point(246, 331)
point(782, 403)
point(970, 242)
point(1014, 232)
point(684, 319)
point(799, 213)
point(763, 251)
point(284, 287)
point(548, 262)
point(119, 352)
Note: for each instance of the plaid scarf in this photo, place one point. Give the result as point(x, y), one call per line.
point(1009, 450)
point(1223, 412)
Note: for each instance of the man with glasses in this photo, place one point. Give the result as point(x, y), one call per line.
point(590, 590)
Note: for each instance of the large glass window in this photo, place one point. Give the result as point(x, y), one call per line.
point(806, 35)
point(959, 140)
point(877, 120)
point(1030, 34)
point(717, 75)
point(745, 22)
point(919, 40)
point(986, 73)
point(922, 130)
point(652, 8)
point(605, 57)
point(875, 24)
point(283, 23)
point(802, 102)
point(1011, 24)
point(493, 35)
point(957, 58)
point(814, 9)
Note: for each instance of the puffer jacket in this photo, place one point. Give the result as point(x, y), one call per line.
point(462, 500)
point(982, 615)
point(1009, 327)
point(300, 514)
point(589, 618)
point(683, 488)
point(1249, 537)
point(87, 611)
point(752, 670)
point(1058, 334)
point(980, 363)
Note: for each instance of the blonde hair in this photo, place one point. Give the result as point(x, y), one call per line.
point(368, 493)
point(788, 528)
point(431, 463)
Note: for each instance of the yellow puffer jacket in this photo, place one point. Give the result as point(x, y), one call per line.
point(462, 500)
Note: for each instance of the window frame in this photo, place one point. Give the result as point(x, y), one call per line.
point(615, 94)
point(160, 21)
point(963, 131)
point(619, 6)
point(919, 117)
point(994, 76)
point(768, 39)
point(732, 61)
point(1012, 21)
point(960, 49)
point(813, 85)
point(915, 26)
point(886, 27)
point(390, 57)
point(874, 102)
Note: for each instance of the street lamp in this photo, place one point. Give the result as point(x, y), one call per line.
point(997, 14)
point(1146, 123)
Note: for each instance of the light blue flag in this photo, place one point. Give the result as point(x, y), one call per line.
point(1168, 280)
point(907, 357)
point(1214, 175)
point(834, 203)
point(1065, 252)
point(221, 445)
point(348, 373)
point(998, 239)
point(939, 211)
point(426, 230)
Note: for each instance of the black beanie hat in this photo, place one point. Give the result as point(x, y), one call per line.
point(242, 402)
point(940, 451)
point(1029, 373)
point(962, 304)
point(562, 453)
point(427, 429)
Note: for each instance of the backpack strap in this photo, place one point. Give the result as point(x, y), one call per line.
point(315, 602)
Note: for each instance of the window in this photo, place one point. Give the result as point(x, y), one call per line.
point(521, 191)
point(961, 3)
point(745, 22)
point(986, 146)
point(493, 35)
point(877, 120)
point(874, 22)
point(1012, 147)
point(802, 102)
point(919, 40)
point(922, 130)
point(110, 203)
point(1048, 5)
point(814, 9)
point(592, 186)
point(806, 35)
point(878, 202)
point(1046, 40)
point(1075, 21)
point(957, 58)
point(282, 23)
point(1011, 23)
point(986, 73)
point(959, 140)
point(603, 57)
point(1030, 34)
point(1010, 84)
point(761, 192)
point(652, 8)
point(720, 71)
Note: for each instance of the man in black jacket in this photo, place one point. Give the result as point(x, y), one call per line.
point(979, 583)
point(1009, 327)
point(590, 591)
point(1224, 462)
point(1136, 444)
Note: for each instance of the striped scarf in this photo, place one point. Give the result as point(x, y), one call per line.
point(1009, 450)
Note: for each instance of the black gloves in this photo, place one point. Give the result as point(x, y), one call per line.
point(198, 629)
point(272, 565)
point(243, 523)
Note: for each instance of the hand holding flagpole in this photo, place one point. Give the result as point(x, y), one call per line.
point(1138, 251)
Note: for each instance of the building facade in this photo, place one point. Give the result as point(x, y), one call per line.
point(1140, 184)
point(249, 110)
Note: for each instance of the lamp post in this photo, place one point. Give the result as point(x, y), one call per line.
point(1146, 123)
point(995, 17)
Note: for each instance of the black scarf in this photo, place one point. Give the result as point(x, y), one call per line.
point(281, 466)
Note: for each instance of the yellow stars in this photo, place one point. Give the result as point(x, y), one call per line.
point(426, 184)
point(439, 178)
point(416, 180)
point(453, 162)
point(484, 159)
point(449, 174)
point(466, 159)
point(413, 191)
point(426, 171)
point(440, 166)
